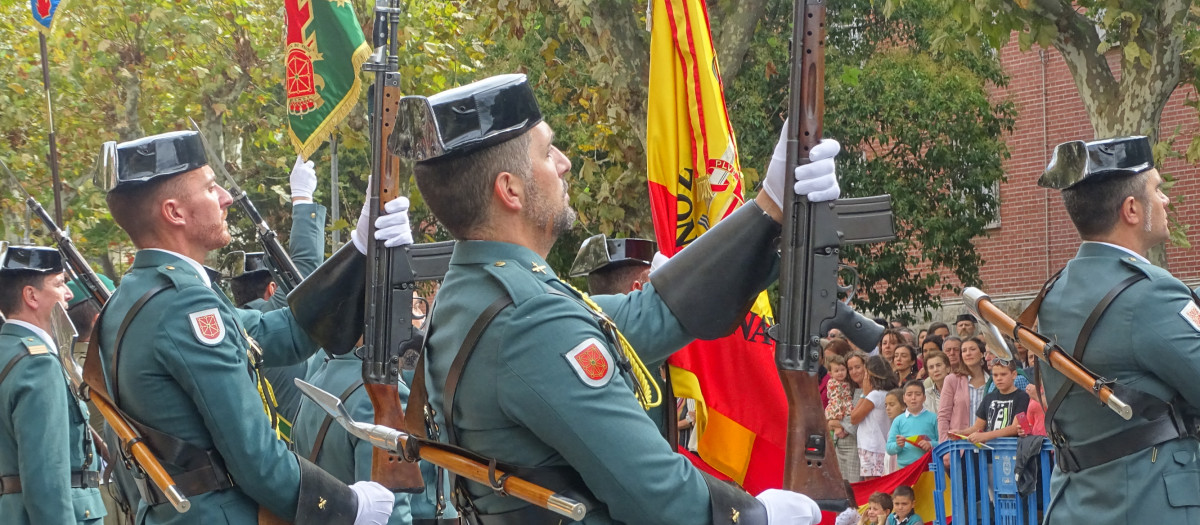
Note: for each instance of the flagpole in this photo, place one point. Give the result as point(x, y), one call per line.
point(53, 140)
point(334, 206)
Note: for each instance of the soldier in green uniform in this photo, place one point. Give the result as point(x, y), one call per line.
point(1130, 321)
point(254, 289)
point(348, 458)
point(524, 368)
point(49, 468)
point(176, 355)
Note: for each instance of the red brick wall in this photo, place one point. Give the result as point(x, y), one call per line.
point(1035, 237)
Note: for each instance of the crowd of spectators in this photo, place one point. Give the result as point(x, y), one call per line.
point(886, 406)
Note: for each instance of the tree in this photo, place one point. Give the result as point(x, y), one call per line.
point(942, 135)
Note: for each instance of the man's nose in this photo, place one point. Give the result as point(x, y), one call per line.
point(226, 198)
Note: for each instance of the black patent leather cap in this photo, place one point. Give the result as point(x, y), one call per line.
point(1077, 161)
point(244, 264)
point(157, 156)
point(598, 252)
point(31, 258)
point(464, 119)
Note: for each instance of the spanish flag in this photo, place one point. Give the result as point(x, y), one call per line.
point(695, 181)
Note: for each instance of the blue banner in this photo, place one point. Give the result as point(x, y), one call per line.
point(43, 13)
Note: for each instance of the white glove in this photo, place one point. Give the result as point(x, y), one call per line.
point(659, 260)
point(785, 507)
point(815, 180)
point(374, 503)
point(391, 227)
point(303, 179)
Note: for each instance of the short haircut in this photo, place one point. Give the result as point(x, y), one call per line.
point(915, 382)
point(615, 279)
point(951, 338)
point(894, 332)
point(135, 209)
point(882, 498)
point(904, 491)
point(1093, 206)
point(835, 359)
point(458, 189)
point(83, 316)
point(13, 282)
point(249, 287)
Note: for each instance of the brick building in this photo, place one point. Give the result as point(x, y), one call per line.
point(1035, 237)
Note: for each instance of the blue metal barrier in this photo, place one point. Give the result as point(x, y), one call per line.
point(971, 501)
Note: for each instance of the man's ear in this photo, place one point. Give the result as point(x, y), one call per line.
point(29, 296)
point(509, 190)
point(1131, 211)
point(270, 292)
point(171, 211)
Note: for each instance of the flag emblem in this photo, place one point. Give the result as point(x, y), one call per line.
point(591, 362)
point(1191, 314)
point(207, 326)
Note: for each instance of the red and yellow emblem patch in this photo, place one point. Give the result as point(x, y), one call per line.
point(1191, 314)
point(591, 362)
point(207, 326)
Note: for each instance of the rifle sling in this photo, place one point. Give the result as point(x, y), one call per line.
point(320, 440)
point(9, 366)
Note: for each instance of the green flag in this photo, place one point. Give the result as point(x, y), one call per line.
point(325, 50)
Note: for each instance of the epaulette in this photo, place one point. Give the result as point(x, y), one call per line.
point(1149, 270)
point(179, 276)
point(520, 282)
point(34, 346)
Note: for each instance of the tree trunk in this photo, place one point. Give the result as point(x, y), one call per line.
point(733, 31)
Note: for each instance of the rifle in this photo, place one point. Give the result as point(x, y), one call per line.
point(75, 260)
point(997, 322)
point(808, 277)
point(459, 461)
point(286, 273)
point(389, 295)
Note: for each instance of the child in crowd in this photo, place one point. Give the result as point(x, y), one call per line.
point(902, 503)
point(841, 395)
point(879, 506)
point(915, 424)
point(997, 414)
point(1034, 423)
point(894, 403)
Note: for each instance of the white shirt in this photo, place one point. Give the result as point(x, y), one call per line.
point(197, 266)
point(1122, 248)
point(873, 430)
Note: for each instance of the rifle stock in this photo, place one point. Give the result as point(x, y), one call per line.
point(810, 249)
point(388, 312)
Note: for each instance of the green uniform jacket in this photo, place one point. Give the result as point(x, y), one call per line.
point(1143, 341)
point(42, 437)
point(543, 387)
point(349, 458)
point(306, 245)
point(186, 375)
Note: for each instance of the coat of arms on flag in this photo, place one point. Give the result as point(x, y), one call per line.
point(207, 326)
point(43, 12)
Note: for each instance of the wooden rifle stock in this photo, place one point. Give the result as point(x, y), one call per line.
point(388, 294)
point(811, 464)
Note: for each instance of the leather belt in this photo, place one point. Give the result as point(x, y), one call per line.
point(79, 480)
point(527, 515)
point(1074, 458)
point(443, 521)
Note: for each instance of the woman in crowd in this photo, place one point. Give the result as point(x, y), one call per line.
point(963, 390)
point(846, 445)
point(904, 362)
point(871, 417)
point(938, 367)
point(888, 343)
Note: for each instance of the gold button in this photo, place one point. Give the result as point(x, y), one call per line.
point(170, 267)
point(87, 513)
point(499, 263)
point(313, 215)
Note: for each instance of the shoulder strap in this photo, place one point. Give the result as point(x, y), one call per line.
point(1081, 342)
point(1028, 316)
point(320, 440)
point(137, 307)
point(9, 366)
point(460, 361)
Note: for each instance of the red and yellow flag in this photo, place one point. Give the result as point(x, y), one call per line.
point(695, 181)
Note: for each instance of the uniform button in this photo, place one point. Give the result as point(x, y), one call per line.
point(499, 263)
point(87, 513)
point(313, 215)
point(170, 267)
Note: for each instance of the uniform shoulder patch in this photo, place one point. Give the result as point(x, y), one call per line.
point(1191, 314)
point(591, 362)
point(207, 326)
point(34, 346)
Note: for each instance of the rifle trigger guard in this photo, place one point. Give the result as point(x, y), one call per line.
point(496, 483)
